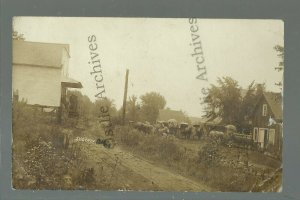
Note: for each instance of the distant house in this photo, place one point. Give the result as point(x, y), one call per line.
point(40, 73)
point(267, 121)
point(166, 114)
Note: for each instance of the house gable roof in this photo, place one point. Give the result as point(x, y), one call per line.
point(38, 54)
point(166, 114)
point(275, 102)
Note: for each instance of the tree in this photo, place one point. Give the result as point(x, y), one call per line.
point(254, 92)
point(133, 109)
point(105, 102)
point(151, 104)
point(248, 102)
point(212, 102)
point(280, 67)
point(85, 106)
point(280, 54)
point(224, 100)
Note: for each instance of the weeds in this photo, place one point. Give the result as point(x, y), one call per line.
point(209, 165)
point(42, 155)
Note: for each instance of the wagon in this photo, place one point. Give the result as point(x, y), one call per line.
point(173, 126)
point(185, 130)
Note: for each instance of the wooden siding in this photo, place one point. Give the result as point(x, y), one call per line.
point(258, 119)
point(274, 132)
point(37, 85)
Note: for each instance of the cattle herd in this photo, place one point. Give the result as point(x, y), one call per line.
point(221, 134)
point(171, 127)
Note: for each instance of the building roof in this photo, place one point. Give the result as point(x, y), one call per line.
point(38, 54)
point(166, 114)
point(195, 120)
point(275, 102)
point(71, 83)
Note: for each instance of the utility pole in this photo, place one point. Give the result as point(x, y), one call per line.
point(125, 96)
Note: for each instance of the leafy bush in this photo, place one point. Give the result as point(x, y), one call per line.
point(209, 154)
point(150, 146)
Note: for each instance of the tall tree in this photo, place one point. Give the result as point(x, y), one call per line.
point(248, 102)
point(224, 100)
point(151, 104)
point(212, 102)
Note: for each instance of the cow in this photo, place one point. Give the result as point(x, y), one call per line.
point(173, 126)
point(186, 130)
point(216, 134)
point(145, 128)
point(198, 131)
point(161, 128)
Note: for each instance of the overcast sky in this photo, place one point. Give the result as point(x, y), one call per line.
point(157, 53)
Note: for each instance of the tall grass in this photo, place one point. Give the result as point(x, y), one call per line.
point(149, 145)
point(204, 167)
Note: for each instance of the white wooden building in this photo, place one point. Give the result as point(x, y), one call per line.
point(40, 72)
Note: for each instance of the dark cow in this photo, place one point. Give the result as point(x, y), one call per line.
point(186, 130)
point(198, 131)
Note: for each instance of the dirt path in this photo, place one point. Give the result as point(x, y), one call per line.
point(157, 177)
point(166, 180)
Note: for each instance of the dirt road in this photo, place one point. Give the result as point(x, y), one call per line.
point(165, 179)
point(138, 173)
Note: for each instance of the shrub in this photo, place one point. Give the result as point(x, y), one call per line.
point(207, 166)
point(151, 146)
point(38, 159)
point(209, 154)
point(128, 137)
point(169, 150)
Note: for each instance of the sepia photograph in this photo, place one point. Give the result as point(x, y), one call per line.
point(147, 104)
